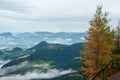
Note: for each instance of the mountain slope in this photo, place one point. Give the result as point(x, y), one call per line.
point(52, 52)
point(44, 57)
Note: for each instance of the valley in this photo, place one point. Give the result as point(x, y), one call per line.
point(44, 61)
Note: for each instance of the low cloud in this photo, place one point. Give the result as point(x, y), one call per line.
point(2, 62)
point(4, 71)
point(43, 73)
point(52, 73)
point(58, 40)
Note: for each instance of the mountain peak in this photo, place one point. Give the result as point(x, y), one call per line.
point(43, 42)
point(39, 46)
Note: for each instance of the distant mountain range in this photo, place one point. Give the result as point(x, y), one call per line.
point(27, 40)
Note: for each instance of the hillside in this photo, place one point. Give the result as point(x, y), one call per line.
point(44, 57)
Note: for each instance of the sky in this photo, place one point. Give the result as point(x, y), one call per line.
point(53, 15)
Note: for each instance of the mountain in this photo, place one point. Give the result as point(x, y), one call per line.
point(26, 40)
point(15, 53)
point(45, 45)
point(45, 57)
point(7, 34)
point(16, 49)
point(52, 52)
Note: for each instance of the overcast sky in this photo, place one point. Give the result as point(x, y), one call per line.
point(53, 15)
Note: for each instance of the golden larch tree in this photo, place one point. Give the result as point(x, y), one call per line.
point(99, 44)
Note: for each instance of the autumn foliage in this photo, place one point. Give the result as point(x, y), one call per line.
point(99, 45)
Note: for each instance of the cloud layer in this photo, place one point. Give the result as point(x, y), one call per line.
point(31, 74)
point(52, 15)
point(52, 73)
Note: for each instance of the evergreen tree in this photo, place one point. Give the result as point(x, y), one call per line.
point(99, 44)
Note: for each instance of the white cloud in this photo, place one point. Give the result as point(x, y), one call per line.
point(2, 62)
point(52, 73)
point(58, 40)
point(51, 15)
point(4, 71)
point(33, 74)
